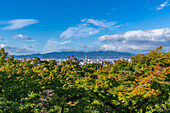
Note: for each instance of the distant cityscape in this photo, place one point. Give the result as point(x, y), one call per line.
point(84, 61)
point(83, 57)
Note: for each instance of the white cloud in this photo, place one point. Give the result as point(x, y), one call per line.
point(121, 48)
point(13, 50)
point(19, 23)
point(127, 48)
point(20, 36)
point(29, 46)
point(85, 47)
point(81, 30)
point(88, 28)
point(107, 48)
point(70, 49)
point(99, 23)
point(31, 40)
point(65, 42)
point(136, 41)
point(162, 5)
point(155, 36)
point(53, 45)
point(1, 39)
point(2, 45)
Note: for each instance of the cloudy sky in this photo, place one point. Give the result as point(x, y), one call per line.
point(42, 26)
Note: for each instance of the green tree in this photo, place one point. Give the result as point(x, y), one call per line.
point(129, 87)
point(32, 85)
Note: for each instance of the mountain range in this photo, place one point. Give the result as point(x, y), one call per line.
point(79, 54)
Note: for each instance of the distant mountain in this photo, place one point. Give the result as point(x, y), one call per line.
point(92, 54)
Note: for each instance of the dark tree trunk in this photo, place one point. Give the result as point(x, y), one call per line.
point(144, 109)
point(62, 109)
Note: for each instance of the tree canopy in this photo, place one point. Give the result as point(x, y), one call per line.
point(141, 85)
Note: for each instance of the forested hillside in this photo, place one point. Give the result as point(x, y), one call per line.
point(79, 54)
point(34, 86)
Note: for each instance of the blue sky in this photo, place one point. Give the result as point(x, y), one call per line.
point(41, 26)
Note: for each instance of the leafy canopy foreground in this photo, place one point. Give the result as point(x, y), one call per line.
point(34, 86)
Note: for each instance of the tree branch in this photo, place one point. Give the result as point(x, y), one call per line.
point(141, 106)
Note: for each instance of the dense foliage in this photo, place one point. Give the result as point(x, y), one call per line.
point(34, 86)
point(168, 53)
